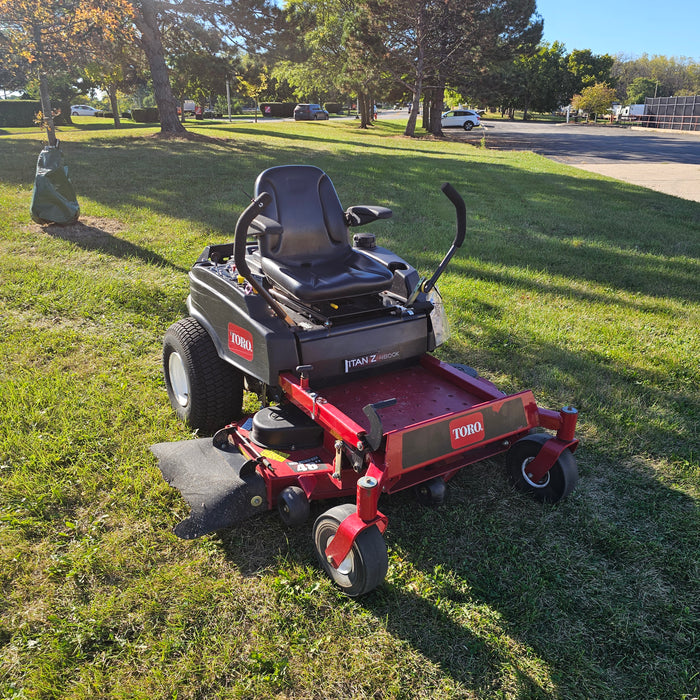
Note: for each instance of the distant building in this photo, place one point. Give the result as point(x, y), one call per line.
point(681, 113)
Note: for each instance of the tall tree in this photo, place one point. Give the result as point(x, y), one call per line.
point(641, 88)
point(541, 81)
point(150, 39)
point(52, 35)
point(671, 75)
point(428, 44)
point(237, 23)
point(310, 52)
point(118, 65)
point(588, 68)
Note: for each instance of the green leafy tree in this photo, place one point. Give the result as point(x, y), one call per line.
point(323, 56)
point(595, 99)
point(427, 45)
point(541, 82)
point(670, 75)
point(587, 69)
point(641, 88)
point(161, 25)
point(253, 82)
point(118, 66)
point(54, 36)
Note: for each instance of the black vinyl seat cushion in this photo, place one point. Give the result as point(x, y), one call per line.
point(311, 259)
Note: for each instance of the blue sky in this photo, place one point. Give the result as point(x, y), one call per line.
point(668, 28)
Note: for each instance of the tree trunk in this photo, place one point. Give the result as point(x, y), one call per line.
point(112, 92)
point(436, 109)
point(46, 110)
point(147, 23)
point(413, 114)
point(363, 109)
point(418, 84)
point(427, 99)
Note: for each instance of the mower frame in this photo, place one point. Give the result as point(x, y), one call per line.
point(347, 423)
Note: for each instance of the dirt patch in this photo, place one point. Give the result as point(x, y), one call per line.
point(91, 228)
point(192, 136)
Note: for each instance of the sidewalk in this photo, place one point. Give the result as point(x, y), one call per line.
point(680, 180)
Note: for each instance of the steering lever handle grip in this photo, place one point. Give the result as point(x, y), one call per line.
point(458, 203)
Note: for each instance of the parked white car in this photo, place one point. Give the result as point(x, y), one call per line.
point(84, 111)
point(467, 119)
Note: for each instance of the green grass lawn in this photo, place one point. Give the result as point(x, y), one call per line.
point(584, 289)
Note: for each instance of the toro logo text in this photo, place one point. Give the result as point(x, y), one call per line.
point(240, 341)
point(467, 430)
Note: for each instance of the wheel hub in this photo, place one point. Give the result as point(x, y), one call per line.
point(527, 476)
point(345, 566)
point(178, 379)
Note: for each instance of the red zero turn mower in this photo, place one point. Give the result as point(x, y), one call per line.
point(335, 340)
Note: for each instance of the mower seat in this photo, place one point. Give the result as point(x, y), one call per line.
point(303, 239)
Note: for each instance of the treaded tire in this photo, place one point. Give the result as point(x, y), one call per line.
point(205, 391)
point(366, 565)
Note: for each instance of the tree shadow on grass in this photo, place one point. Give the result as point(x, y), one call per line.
point(98, 234)
point(474, 661)
point(505, 595)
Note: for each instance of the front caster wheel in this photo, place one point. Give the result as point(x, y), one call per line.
point(293, 506)
point(431, 493)
point(367, 562)
point(555, 485)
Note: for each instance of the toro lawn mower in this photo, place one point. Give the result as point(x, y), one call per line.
point(335, 341)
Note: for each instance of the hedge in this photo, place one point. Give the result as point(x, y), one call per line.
point(18, 112)
point(147, 116)
point(333, 107)
point(277, 109)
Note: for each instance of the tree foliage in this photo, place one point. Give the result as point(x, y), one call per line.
point(52, 35)
point(639, 89)
point(314, 50)
point(427, 45)
point(542, 81)
point(595, 99)
point(213, 29)
point(588, 68)
point(671, 76)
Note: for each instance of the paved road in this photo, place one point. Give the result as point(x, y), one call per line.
point(665, 161)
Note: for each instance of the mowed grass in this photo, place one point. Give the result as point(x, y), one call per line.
point(583, 289)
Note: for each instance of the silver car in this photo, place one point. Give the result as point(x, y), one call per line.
point(84, 111)
point(465, 118)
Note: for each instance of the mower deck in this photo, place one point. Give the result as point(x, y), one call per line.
point(435, 419)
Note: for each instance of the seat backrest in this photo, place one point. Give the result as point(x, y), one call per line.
point(305, 202)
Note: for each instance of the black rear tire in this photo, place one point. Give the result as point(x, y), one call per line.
point(205, 391)
point(468, 126)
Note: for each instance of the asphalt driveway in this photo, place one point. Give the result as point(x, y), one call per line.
point(660, 160)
